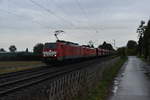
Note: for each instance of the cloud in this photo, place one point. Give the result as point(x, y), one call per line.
point(97, 20)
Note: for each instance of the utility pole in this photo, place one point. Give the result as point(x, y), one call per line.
point(114, 43)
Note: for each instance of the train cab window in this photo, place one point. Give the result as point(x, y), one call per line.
point(50, 45)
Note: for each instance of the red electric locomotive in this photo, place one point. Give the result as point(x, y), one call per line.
point(63, 50)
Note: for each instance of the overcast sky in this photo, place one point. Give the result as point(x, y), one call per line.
point(26, 22)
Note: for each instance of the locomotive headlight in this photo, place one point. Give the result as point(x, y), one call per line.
point(44, 54)
point(50, 53)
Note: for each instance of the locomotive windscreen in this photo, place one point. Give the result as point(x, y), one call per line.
point(50, 45)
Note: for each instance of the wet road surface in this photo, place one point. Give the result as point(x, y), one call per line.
point(132, 83)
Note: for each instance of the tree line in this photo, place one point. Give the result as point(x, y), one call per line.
point(142, 46)
point(129, 50)
point(14, 55)
point(144, 39)
point(13, 49)
point(38, 48)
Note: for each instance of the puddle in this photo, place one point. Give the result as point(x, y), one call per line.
point(115, 86)
point(117, 80)
point(116, 83)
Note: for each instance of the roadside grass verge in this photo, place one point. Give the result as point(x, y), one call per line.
point(146, 68)
point(102, 91)
point(13, 66)
point(142, 58)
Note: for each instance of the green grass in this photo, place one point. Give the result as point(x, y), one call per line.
point(101, 92)
point(142, 58)
point(13, 66)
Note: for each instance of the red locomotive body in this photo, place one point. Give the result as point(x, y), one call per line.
point(62, 50)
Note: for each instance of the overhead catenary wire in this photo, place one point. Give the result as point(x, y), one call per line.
point(34, 21)
point(82, 11)
point(53, 2)
point(12, 13)
point(52, 13)
point(61, 8)
point(81, 8)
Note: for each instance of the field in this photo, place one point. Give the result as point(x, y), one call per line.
point(13, 66)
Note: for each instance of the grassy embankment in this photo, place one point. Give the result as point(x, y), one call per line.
point(144, 60)
point(101, 92)
point(13, 66)
point(146, 68)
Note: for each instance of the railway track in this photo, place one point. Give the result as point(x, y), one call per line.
point(28, 79)
point(16, 81)
point(20, 74)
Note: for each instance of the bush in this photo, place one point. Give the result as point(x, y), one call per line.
point(122, 52)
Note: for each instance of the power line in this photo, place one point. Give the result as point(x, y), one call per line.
point(81, 8)
point(45, 26)
point(11, 13)
point(83, 11)
point(51, 12)
point(61, 8)
point(79, 5)
point(53, 1)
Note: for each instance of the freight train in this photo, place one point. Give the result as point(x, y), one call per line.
point(64, 50)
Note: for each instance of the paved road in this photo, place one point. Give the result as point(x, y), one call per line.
point(132, 83)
